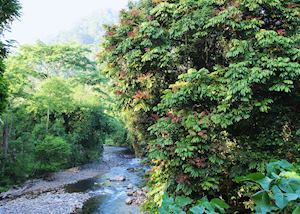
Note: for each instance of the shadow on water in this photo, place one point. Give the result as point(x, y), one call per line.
point(109, 197)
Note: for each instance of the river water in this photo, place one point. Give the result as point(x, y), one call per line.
point(109, 197)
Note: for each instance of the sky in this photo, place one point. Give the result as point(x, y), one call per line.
point(41, 19)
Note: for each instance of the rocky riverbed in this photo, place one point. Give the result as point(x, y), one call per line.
point(67, 192)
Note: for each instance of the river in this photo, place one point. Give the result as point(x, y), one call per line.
point(85, 190)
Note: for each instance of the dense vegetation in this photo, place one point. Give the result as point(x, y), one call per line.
point(9, 10)
point(210, 90)
point(54, 117)
point(54, 112)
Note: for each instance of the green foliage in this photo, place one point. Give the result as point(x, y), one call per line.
point(210, 88)
point(52, 153)
point(183, 205)
point(55, 118)
point(9, 10)
point(280, 188)
point(55, 95)
point(118, 134)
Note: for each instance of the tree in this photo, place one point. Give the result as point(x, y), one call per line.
point(55, 113)
point(52, 153)
point(54, 96)
point(216, 83)
point(9, 10)
point(64, 60)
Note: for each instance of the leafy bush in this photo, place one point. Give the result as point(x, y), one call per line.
point(211, 86)
point(118, 133)
point(280, 188)
point(52, 154)
point(183, 205)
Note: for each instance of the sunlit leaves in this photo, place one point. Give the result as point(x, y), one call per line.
point(216, 67)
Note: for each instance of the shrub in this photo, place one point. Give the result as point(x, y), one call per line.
point(213, 88)
point(183, 205)
point(279, 188)
point(52, 154)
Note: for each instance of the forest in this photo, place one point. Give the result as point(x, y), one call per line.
point(208, 91)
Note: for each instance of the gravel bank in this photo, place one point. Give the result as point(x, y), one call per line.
point(49, 203)
point(39, 196)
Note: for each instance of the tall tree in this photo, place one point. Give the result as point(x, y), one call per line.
point(9, 10)
point(226, 76)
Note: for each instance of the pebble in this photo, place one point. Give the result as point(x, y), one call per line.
point(130, 193)
point(54, 203)
point(128, 201)
point(118, 178)
point(137, 196)
point(130, 186)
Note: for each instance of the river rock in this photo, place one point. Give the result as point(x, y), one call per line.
point(118, 178)
point(49, 177)
point(128, 201)
point(130, 186)
point(131, 169)
point(130, 193)
point(145, 189)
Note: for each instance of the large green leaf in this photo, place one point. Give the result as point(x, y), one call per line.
point(176, 210)
point(297, 210)
point(280, 199)
point(197, 210)
point(263, 202)
point(265, 183)
point(291, 196)
point(182, 201)
point(278, 166)
point(220, 203)
point(252, 177)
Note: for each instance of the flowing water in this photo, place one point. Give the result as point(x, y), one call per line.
point(109, 197)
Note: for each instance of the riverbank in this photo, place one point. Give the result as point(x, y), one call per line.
point(42, 196)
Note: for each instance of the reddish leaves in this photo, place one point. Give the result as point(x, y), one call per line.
point(291, 5)
point(155, 117)
point(129, 22)
point(216, 12)
point(109, 33)
point(281, 32)
point(119, 92)
point(144, 77)
point(182, 178)
point(131, 34)
point(174, 118)
point(203, 134)
point(122, 75)
point(134, 13)
point(234, 4)
point(110, 48)
point(198, 162)
point(141, 95)
point(149, 18)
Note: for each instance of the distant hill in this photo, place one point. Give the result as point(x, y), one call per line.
point(89, 31)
